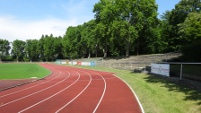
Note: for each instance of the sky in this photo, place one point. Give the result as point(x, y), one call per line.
point(29, 19)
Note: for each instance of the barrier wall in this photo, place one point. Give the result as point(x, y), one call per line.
point(60, 62)
point(82, 63)
point(72, 63)
point(160, 69)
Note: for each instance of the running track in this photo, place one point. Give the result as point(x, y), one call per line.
point(71, 90)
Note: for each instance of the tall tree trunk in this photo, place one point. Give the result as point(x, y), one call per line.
point(17, 59)
point(128, 49)
point(138, 45)
point(89, 55)
point(96, 50)
point(105, 53)
point(0, 57)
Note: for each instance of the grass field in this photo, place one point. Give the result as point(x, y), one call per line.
point(158, 95)
point(22, 70)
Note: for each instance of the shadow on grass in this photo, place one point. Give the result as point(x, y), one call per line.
point(173, 85)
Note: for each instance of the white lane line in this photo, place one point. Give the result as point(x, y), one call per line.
point(142, 110)
point(31, 86)
point(33, 93)
point(76, 96)
point(50, 96)
point(105, 86)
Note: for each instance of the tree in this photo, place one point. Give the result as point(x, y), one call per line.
point(104, 15)
point(40, 48)
point(102, 40)
point(123, 36)
point(165, 29)
point(4, 48)
point(190, 33)
point(190, 29)
point(154, 42)
point(58, 46)
point(88, 38)
point(178, 16)
point(137, 21)
point(31, 49)
point(49, 48)
point(144, 19)
point(18, 49)
point(70, 42)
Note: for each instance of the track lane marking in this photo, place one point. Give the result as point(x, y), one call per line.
point(105, 87)
point(135, 95)
point(49, 96)
point(76, 95)
point(33, 93)
point(31, 86)
point(19, 91)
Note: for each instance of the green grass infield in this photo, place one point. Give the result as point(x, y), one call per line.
point(22, 71)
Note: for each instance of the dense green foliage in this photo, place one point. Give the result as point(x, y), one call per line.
point(4, 48)
point(126, 26)
point(181, 27)
point(18, 49)
point(120, 28)
point(21, 71)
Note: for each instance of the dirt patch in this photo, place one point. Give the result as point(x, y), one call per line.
point(7, 84)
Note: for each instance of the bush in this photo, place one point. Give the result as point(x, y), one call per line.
point(8, 58)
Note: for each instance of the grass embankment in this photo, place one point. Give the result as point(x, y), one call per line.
point(22, 71)
point(158, 95)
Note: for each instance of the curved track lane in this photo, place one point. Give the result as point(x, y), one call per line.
point(71, 90)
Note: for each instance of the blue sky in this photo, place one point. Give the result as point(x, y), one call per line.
point(29, 19)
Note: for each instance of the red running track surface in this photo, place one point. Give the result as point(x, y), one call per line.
point(71, 90)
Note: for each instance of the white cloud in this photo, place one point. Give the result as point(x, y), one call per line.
point(82, 10)
point(12, 28)
point(54, 19)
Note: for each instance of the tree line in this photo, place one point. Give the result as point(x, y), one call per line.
point(120, 28)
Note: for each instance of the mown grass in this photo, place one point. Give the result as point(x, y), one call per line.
point(157, 95)
point(22, 71)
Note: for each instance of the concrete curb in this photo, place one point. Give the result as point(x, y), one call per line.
point(20, 84)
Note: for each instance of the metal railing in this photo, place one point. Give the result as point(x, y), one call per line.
point(185, 70)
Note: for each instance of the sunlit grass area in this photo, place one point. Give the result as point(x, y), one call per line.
point(22, 70)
